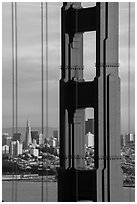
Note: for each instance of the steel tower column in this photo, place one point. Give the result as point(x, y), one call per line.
point(104, 182)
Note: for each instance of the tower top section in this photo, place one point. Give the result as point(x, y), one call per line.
point(28, 122)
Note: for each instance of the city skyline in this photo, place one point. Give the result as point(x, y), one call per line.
point(29, 64)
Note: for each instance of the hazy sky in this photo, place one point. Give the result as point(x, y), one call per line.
point(29, 63)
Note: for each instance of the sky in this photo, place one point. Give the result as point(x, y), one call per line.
point(29, 63)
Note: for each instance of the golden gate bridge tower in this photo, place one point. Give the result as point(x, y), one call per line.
point(104, 183)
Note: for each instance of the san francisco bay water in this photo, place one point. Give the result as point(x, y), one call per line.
point(29, 191)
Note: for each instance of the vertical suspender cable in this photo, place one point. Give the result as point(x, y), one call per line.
point(16, 72)
point(16, 90)
point(129, 71)
point(129, 46)
point(12, 92)
point(42, 86)
point(47, 90)
point(104, 100)
point(76, 76)
point(42, 115)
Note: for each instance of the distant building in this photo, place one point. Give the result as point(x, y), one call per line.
point(12, 148)
point(34, 143)
point(5, 149)
point(132, 138)
point(28, 140)
point(41, 139)
point(17, 137)
point(18, 148)
point(34, 152)
point(89, 139)
point(89, 126)
point(55, 134)
point(15, 148)
point(47, 142)
point(58, 150)
point(6, 139)
point(122, 140)
point(35, 135)
point(128, 139)
point(53, 142)
point(38, 137)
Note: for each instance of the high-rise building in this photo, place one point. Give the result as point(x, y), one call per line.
point(34, 143)
point(15, 148)
point(89, 139)
point(17, 137)
point(18, 148)
point(122, 140)
point(5, 149)
point(89, 126)
point(28, 140)
point(126, 139)
point(132, 137)
point(12, 148)
point(6, 139)
point(4, 136)
point(38, 137)
point(35, 135)
point(41, 139)
point(53, 142)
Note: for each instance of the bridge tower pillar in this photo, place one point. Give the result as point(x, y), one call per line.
point(104, 182)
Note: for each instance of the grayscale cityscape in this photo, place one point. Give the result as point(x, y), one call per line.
point(68, 101)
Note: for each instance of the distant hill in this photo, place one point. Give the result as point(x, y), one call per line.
point(22, 130)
